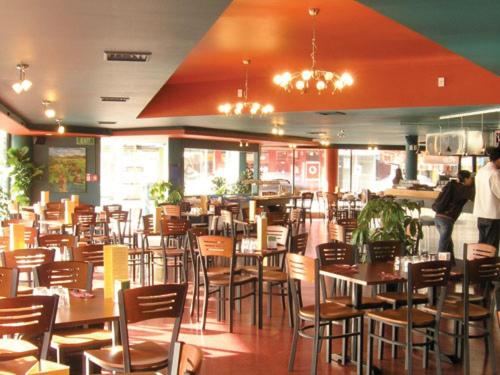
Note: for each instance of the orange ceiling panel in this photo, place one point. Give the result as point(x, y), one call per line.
point(392, 65)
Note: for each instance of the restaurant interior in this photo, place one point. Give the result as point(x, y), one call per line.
point(245, 186)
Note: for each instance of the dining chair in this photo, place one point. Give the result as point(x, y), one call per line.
point(61, 242)
point(117, 222)
point(294, 218)
point(89, 253)
point(331, 208)
point(193, 234)
point(9, 279)
point(278, 217)
point(337, 232)
point(82, 207)
point(173, 252)
point(26, 260)
point(112, 207)
point(54, 206)
point(223, 248)
point(26, 316)
point(383, 251)
point(306, 201)
point(318, 315)
point(228, 225)
point(186, 360)
point(84, 224)
point(68, 274)
point(171, 210)
point(431, 275)
point(139, 305)
point(334, 252)
point(484, 273)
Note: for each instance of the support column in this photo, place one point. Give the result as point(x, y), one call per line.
point(176, 162)
point(332, 168)
point(243, 163)
point(411, 157)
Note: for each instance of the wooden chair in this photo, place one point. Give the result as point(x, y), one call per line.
point(26, 223)
point(279, 217)
point(117, 221)
point(84, 223)
point(383, 251)
point(28, 316)
point(222, 248)
point(9, 279)
point(334, 252)
point(112, 207)
point(298, 243)
point(26, 260)
point(139, 305)
point(337, 232)
point(193, 234)
point(54, 206)
point(61, 242)
point(331, 200)
point(319, 315)
point(30, 236)
point(171, 210)
point(89, 253)
point(186, 359)
point(294, 218)
point(68, 274)
point(306, 201)
point(82, 207)
point(234, 208)
point(173, 241)
point(481, 272)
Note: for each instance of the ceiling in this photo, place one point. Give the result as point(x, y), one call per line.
point(395, 50)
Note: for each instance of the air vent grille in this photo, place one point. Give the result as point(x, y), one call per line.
point(332, 113)
point(119, 99)
point(106, 122)
point(127, 56)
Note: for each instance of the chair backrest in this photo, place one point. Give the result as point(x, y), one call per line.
point(226, 217)
point(294, 215)
point(57, 241)
point(89, 253)
point(112, 207)
point(306, 199)
point(334, 253)
point(118, 215)
point(84, 219)
point(482, 270)
point(68, 274)
point(150, 302)
point(216, 246)
point(280, 232)
point(31, 316)
point(185, 206)
point(85, 208)
point(30, 236)
point(53, 214)
point(479, 250)
point(341, 214)
point(26, 223)
point(171, 210)
point(336, 232)
point(277, 217)
point(301, 268)
point(148, 224)
point(383, 251)
point(298, 243)
point(187, 359)
point(169, 227)
point(9, 279)
point(428, 274)
point(27, 259)
point(54, 206)
point(350, 223)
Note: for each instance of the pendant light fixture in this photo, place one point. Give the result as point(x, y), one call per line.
point(47, 110)
point(313, 77)
point(60, 127)
point(23, 84)
point(244, 106)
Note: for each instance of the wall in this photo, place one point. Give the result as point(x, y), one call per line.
point(41, 157)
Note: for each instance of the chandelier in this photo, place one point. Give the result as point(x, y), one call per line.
point(244, 106)
point(23, 84)
point(320, 79)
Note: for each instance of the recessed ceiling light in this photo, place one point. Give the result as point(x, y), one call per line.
point(331, 113)
point(118, 99)
point(106, 122)
point(125, 56)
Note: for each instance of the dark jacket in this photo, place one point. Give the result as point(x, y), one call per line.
point(452, 199)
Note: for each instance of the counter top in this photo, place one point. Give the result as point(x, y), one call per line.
point(412, 194)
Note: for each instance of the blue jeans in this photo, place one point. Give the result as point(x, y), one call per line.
point(444, 226)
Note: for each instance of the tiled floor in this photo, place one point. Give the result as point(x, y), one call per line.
point(252, 351)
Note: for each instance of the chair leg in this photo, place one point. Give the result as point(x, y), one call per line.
point(314, 365)
point(381, 343)
point(238, 301)
point(195, 290)
point(395, 336)
point(222, 303)
point(491, 347)
point(360, 346)
point(345, 341)
point(329, 332)
point(205, 307)
point(231, 308)
point(437, 350)
point(282, 295)
point(86, 367)
point(295, 338)
point(369, 354)
point(409, 349)
point(254, 303)
point(290, 304)
point(269, 299)
point(425, 357)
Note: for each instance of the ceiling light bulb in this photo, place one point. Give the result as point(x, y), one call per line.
point(300, 85)
point(281, 132)
point(320, 85)
point(328, 76)
point(60, 129)
point(347, 79)
point(277, 79)
point(26, 84)
point(339, 85)
point(306, 75)
point(50, 113)
point(268, 108)
point(286, 77)
point(17, 88)
point(274, 130)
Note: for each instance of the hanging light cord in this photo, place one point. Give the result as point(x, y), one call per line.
point(245, 94)
point(313, 42)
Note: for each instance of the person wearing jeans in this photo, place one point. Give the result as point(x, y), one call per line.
point(448, 207)
point(487, 201)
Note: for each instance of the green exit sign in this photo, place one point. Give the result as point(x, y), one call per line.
point(85, 141)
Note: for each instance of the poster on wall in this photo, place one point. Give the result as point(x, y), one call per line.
point(67, 169)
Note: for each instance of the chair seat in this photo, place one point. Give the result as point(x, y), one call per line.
point(275, 276)
point(23, 290)
point(223, 280)
point(12, 349)
point(81, 339)
point(255, 269)
point(401, 298)
point(330, 311)
point(456, 311)
point(143, 356)
point(399, 317)
point(366, 302)
point(456, 297)
point(214, 271)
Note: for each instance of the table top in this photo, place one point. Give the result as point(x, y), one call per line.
point(263, 253)
point(87, 311)
point(372, 273)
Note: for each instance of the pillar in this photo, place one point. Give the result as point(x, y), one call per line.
point(176, 162)
point(332, 168)
point(411, 157)
point(18, 141)
point(243, 163)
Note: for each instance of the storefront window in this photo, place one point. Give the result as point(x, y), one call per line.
point(201, 166)
point(431, 167)
point(276, 163)
point(310, 170)
point(129, 166)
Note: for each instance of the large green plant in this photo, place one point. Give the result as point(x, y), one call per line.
point(22, 173)
point(220, 185)
point(241, 187)
point(384, 219)
point(4, 204)
point(163, 192)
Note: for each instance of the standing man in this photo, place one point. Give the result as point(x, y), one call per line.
point(487, 200)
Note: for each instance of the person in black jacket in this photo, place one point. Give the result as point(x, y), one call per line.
point(448, 207)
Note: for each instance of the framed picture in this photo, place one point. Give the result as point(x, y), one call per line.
point(67, 168)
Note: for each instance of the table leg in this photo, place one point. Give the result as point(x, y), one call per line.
point(259, 306)
point(115, 328)
point(142, 263)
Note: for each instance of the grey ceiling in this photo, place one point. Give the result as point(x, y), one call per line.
point(64, 41)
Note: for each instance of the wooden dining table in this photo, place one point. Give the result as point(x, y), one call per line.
point(259, 256)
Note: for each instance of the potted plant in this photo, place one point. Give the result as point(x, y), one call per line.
point(220, 185)
point(241, 187)
point(163, 192)
point(22, 172)
point(385, 219)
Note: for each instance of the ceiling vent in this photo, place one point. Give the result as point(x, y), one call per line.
point(317, 133)
point(106, 122)
point(331, 113)
point(127, 56)
point(118, 99)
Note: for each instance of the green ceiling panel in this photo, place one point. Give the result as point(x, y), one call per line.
point(470, 28)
